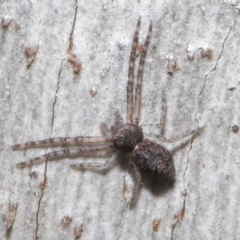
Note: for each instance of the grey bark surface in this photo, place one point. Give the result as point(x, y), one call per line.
point(47, 99)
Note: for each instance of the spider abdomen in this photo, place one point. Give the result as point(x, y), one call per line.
point(153, 160)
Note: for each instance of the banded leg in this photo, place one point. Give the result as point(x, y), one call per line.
point(175, 138)
point(138, 89)
point(64, 153)
point(137, 184)
point(63, 140)
point(131, 74)
point(106, 166)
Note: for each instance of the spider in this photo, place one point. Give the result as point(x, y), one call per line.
point(146, 157)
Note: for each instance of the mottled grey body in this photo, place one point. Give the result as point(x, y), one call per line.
point(153, 160)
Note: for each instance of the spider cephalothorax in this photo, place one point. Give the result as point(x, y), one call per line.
point(146, 156)
point(127, 137)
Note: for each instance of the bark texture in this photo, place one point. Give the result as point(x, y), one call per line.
point(194, 56)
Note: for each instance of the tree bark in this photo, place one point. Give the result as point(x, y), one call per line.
point(63, 71)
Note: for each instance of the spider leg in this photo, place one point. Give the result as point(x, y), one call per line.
point(138, 89)
point(137, 184)
point(175, 138)
point(64, 153)
point(63, 140)
point(107, 165)
point(131, 74)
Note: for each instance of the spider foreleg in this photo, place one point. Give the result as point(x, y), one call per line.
point(138, 89)
point(63, 140)
point(86, 150)
point(131, 74)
